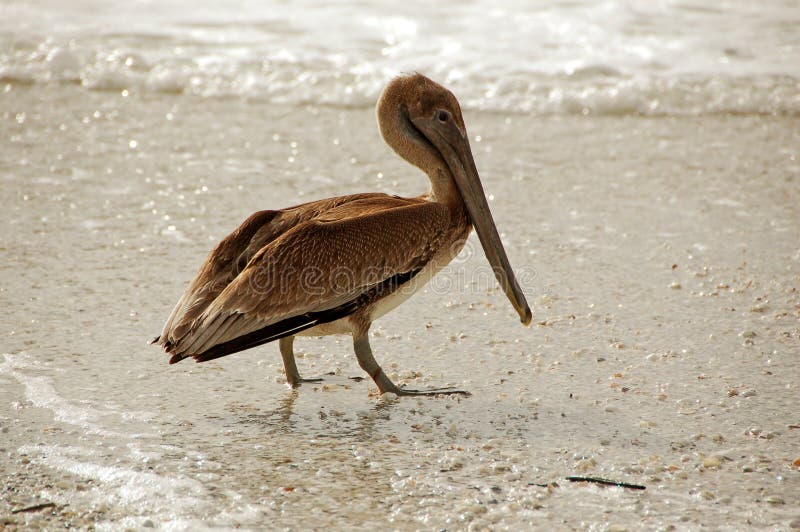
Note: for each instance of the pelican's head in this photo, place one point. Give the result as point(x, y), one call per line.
point(406, 100)
point(422, 122)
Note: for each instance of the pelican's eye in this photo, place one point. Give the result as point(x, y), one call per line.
point(442, 116)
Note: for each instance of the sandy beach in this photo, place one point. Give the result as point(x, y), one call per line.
point(661, 256)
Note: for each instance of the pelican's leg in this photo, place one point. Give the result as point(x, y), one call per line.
point(368, 364)
point(289, 365)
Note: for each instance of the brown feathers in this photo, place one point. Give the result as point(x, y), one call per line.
point(336, 251)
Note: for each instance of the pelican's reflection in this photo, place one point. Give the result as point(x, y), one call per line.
point(280, 417)
point(336, 417)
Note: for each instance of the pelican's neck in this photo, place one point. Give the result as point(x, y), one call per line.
point(410, 144)
point(443, 187)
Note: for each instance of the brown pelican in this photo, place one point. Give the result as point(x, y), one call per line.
point(335, 265)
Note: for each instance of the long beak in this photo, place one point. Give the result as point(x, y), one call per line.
point(454, 147)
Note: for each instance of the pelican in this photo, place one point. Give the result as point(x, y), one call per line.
point(335, 265)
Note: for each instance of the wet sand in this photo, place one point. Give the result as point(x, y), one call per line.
point(661, 256)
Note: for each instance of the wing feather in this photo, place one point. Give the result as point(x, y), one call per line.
point(321, 265)
point(297, 324)
point(216, 272)
point(228, 258)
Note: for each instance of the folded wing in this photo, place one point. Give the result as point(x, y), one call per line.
point(330, 263)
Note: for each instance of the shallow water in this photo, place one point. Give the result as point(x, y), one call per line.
point(660, 254)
